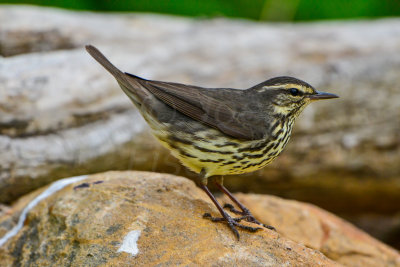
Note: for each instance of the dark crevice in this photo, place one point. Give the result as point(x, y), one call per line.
point(23, 42)
point(18, 128)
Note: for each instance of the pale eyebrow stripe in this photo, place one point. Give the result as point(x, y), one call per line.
point(304, 89)
point(262, 89)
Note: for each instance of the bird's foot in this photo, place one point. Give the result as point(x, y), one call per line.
point(232, 209)
point(246, 215)
point(232, 223)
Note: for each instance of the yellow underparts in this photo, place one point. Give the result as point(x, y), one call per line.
point(215, 157)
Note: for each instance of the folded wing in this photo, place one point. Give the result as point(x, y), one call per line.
point(226, 110)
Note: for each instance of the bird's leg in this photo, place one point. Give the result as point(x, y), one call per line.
point(232, 222)
point(246, 214)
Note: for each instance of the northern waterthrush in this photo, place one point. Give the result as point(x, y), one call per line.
point(219, 131)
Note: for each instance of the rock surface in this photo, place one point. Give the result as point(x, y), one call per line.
point(140, 218)
point(61, 114)
point(320, 230)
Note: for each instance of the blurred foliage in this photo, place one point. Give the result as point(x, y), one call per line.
point(270, 10)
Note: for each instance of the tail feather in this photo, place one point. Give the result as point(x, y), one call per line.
point(99, 57)
point(129, 83)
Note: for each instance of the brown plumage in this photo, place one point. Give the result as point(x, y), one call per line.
point(219, 131)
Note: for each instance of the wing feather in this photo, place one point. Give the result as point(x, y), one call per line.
point(224, 109)
point(205, 105)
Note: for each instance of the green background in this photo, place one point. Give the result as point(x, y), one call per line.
point(268, 10)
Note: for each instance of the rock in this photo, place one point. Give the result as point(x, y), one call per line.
point(61, 114)
point(315, 228)
point(139, 219)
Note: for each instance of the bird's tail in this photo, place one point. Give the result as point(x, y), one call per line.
point(129, 83)
point(99, 57)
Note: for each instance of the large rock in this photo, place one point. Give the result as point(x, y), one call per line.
point(61, 114)
point(320, 230)
point(142, 219)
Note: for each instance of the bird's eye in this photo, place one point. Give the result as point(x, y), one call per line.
point(294, 92)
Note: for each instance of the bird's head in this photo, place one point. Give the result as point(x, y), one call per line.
point(288, 95)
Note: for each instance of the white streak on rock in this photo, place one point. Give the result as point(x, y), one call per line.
point(129, 244)
point(54, 187)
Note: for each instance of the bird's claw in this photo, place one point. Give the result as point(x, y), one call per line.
point(246, 215)
point(232, 222)
point(232, 209)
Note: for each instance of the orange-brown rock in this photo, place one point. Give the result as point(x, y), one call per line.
point(141, 219)
point(318, 229)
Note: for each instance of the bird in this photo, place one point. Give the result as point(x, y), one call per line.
point(219, 131)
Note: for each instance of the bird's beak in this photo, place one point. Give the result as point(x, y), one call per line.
point(322, 95)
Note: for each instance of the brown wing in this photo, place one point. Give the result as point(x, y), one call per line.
point(221, 108)
point(229, 110)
